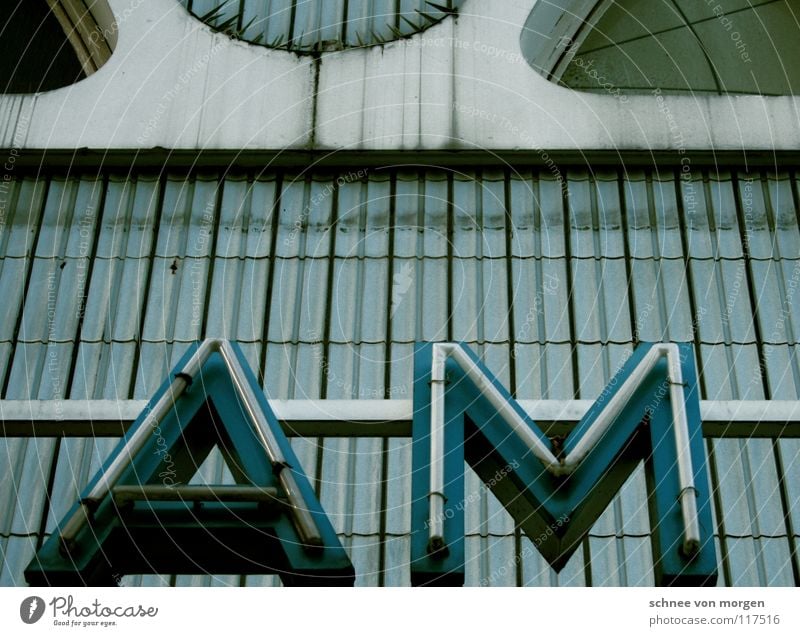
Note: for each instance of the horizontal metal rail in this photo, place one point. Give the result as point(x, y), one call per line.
point(373, 418)
point(243, 494)
point(38, 160)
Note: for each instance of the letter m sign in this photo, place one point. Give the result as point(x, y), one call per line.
point(649, 412)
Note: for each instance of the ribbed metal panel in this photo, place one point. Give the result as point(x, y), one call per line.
point(326, 280)
point(314, 25)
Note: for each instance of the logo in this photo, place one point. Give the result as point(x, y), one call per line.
point(31, 609)
point(402, 282)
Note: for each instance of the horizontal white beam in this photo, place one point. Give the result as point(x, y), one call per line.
point(372, 418)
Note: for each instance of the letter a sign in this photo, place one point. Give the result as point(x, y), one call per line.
point(138, 515)
point(649, 412)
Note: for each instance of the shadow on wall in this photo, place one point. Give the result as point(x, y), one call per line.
point(48, 44)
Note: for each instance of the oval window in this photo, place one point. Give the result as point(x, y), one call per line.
point(48, 44)
point(307, 26)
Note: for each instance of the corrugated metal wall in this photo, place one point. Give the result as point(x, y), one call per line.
point(327, 280)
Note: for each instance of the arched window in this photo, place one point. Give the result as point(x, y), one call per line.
point(305, 26)
point(698, 46)
point(47, 44)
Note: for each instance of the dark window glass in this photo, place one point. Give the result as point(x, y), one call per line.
point(35, 54)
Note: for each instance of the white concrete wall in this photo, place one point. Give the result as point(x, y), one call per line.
point(173, 83)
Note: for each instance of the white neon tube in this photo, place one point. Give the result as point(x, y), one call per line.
point(436, 527)
point(568, 465)
point(304, 522)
